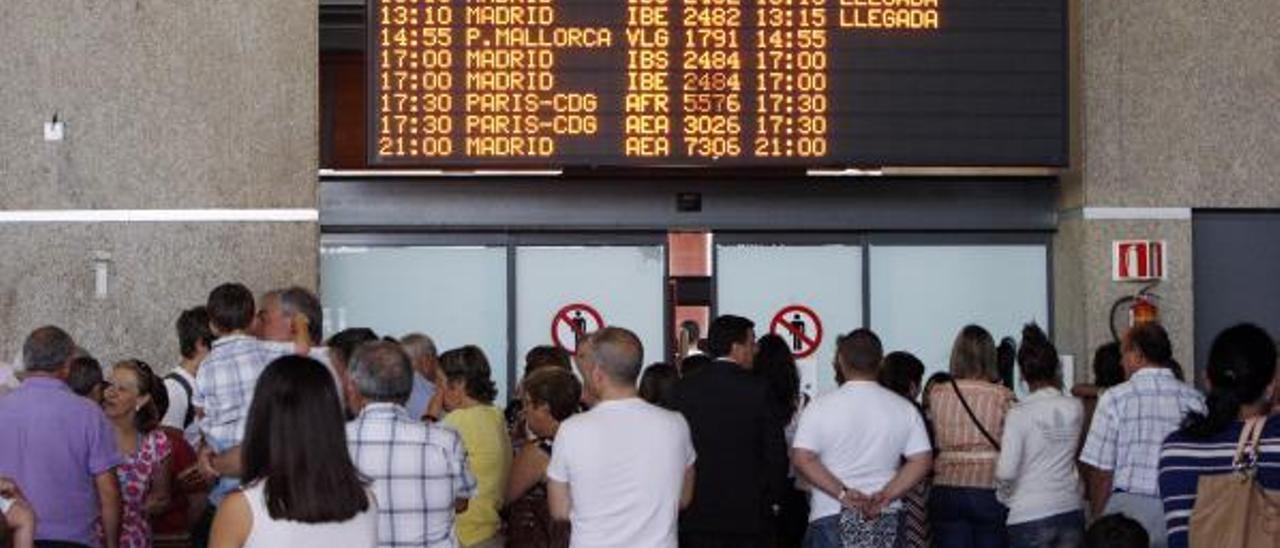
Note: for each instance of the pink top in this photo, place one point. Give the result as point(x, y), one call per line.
point(965, 457)
point(135, 482)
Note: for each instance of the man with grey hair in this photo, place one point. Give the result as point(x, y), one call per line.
point(423, 358)
point(60, 447)
point(420, 473)
point(275, 320)
point(622, 471)
point(290, 320)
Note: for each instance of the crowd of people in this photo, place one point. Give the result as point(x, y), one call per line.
point(263, 434)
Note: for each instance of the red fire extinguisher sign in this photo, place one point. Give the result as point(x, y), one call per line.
point(1138, 260)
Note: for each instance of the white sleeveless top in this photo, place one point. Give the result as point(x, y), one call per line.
point(359, 531)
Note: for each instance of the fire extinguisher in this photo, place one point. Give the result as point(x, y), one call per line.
point(1142, 308)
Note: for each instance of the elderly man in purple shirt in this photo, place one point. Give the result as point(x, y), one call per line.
point(60, 448)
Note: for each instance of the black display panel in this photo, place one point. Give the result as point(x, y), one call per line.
point(807, 83)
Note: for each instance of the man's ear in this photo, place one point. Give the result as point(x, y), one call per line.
point(64, 372)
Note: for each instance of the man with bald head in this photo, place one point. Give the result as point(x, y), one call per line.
point(622, 471)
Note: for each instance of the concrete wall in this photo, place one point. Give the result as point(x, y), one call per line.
point(176, 105)
point(1176, 106)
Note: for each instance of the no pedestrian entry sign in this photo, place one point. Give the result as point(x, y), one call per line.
point(573, 322)
point(799, 325)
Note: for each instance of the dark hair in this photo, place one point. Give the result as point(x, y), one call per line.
point(148, 416)
point(296, 443)
point(1107, 371)
point(775, 362)
point(1038, 358)
point(1176, 368)
point(656, 383)
point(47, 349)
point(344, 343)
point(470, 365)
point(1152, 341)
point(900, 370)
point(193, 328)
point(934, 380)
point(1242, 364)
point(1116, 531)
point(860, 350)
point(161, 399)
point(692, 364)
point(546, 356)
point(85, 375)
point(973, 355)
point(1006, 355)
point(230, 307)
point(726, 331)
point(298, 300)
point(558, 388)
point(692, 330)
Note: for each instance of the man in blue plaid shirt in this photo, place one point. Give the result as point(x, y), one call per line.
point(420, 472)
point(1132, 420)
point(224, 388)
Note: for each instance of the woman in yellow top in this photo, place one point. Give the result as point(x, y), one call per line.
point(467, 391)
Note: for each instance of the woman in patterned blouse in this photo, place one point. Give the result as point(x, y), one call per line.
point(144, 481)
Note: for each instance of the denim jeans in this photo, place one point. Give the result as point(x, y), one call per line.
point(1057, 531)
point(823, 533)
point(966, 517)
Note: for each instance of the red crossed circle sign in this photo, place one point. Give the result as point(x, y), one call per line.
point(572, 323)
point(800, 326)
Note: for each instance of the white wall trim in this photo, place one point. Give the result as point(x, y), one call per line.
point(159, 216)
point(1136, 213)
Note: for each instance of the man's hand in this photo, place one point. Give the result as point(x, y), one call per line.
point(21, 521)
point(195, 479)
point(854, 500)
point(204, 462)
point(876, 504)
point(10, 490)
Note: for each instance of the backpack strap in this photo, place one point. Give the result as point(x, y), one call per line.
point(973, 417)
point(186, 387)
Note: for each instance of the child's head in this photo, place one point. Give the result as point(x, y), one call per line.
point(1116, 531)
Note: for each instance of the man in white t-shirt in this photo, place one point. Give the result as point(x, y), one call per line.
point(850, 445)
point(622, 471)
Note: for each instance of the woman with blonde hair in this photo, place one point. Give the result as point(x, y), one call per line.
point(968, 415)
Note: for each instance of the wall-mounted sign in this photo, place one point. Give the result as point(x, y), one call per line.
point(1138, 260)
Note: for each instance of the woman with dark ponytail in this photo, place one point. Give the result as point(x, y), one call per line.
point(1241, 378)
point(467, 391)
point(1036, 474)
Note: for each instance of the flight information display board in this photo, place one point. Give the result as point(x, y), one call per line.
point(812, 83)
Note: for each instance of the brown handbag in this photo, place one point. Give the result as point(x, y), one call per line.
point(1233, 510)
